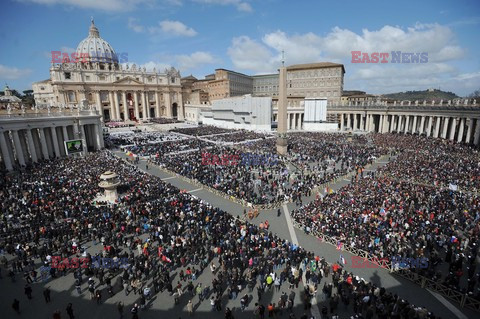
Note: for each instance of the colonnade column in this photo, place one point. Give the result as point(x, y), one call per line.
point(422, 124)
point(429, 126)
point(445, 127)
point(476, 138)
point(414, 126)
point(437, 127)
point(407, 123)
point(31, 146)
point(469, 131)
point(361, 122)
point(55, 141)
point(65, 133)
point(342, 125)
point(354, 121)
point(98, 136)
point(7, 160)
point(460, 130)
point(43, 143)
point(18, 148)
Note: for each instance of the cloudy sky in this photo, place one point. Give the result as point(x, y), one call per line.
point(248, 36)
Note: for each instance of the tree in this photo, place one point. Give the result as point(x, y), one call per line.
point(475, 94)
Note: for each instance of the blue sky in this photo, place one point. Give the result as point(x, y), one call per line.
point(198, 36)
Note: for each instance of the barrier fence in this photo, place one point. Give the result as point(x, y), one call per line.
point(463, 299)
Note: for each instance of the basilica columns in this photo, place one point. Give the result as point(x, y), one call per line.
point(168, 104)
point(113, 114)
point(117, 105)
point(100, 106)
point(135, 100)
point(144, 105)
point(157, 104)
point(125, 106)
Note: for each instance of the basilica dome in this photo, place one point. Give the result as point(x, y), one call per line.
point(97, 48)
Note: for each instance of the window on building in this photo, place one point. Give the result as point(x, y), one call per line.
point(42, 88)
point(68, 75)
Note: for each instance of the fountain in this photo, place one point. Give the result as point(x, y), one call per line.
point(109, 182)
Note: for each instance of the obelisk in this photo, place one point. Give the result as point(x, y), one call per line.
point(282, 112)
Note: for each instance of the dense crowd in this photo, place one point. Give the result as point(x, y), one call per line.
point(433, 161)
point(164, 148)
point(202, 130)
point(389, 218)
point(239, 136)
point(161, 231)
point(162, 120)
point(117, 139)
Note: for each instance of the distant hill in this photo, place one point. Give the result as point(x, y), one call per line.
point(428, 95)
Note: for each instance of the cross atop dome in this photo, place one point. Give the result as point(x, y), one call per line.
point(93, 32)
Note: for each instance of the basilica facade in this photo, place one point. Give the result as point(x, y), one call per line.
point(118, 91)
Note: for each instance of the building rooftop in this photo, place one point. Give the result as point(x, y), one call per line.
point(315, 66)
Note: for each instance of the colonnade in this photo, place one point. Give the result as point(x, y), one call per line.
point(461, 128)
point(23, 142)
point(141, 105)
point(294, 120)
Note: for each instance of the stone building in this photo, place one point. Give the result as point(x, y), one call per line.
point(119, 92)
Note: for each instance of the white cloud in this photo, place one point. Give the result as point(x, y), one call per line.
point(188, 62)
point(133, 25)
point(264, 55)
point(12, 73)
point(248, 54)
point(436, 40)
point(240, 5)
point(105, 5)
point(176, 28)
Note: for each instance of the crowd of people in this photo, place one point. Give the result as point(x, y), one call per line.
point(239, 136)
point(165, 234)
point(435, 162)
point(122, 138)
point(202, 130)
point(411, 208)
